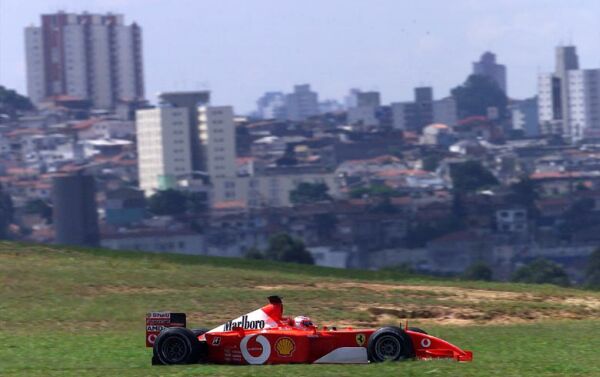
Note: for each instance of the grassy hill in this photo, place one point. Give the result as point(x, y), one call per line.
point(69, 311)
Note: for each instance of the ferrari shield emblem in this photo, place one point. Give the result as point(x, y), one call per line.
point(360, 339)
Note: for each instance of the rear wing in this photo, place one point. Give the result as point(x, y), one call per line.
point(157, 321)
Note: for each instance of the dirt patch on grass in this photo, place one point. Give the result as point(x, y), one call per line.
point(452, 305)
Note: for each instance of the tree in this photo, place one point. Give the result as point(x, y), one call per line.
point(373, 191)
point(39, 207)
point(254, 253)
point(542, 271)
point(579, 216)
point(6, 213)
point(478, 271)
point(431, 162)
point(477, 94)
point(284, 248)
point(11, 102)
point(524, 192)
point(307, 192)
point(592, 272)
point(167, 202)
point(471, 176)
point(196, 202)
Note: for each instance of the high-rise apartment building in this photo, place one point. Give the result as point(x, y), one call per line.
point(184, 136)
point(487, 66)
point(569, 98)
point(364, 111)
point(87, 56)
point(217, 136)
point(302, 103)
point(414, 116)
point(164, 147)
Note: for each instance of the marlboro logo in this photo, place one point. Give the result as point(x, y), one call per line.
point(245, 324)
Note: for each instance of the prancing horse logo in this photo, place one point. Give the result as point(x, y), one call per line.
point(360, 339)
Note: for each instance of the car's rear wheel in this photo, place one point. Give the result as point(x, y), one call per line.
point(389, 343)
point(177, 345)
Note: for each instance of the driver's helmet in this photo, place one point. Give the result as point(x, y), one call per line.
point(303, 322)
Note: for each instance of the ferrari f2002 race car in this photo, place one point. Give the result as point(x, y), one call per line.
point(264, 336)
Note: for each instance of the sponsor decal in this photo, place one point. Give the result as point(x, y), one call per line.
point(245, 324)
point(166, 315)
point(285, 346)
point(265, 349)
point(151, 338)
point(360, 339)
point(216, 341)
point(158, 328)
point(425, 342)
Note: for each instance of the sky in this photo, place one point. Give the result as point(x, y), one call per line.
point(240, 49)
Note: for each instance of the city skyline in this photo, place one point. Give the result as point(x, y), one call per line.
point(348, 45)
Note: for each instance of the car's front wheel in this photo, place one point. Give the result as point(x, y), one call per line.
point(177, 345)
point(389, 343)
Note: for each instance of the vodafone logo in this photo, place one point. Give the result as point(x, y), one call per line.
point(265, 353)
point(425, 342)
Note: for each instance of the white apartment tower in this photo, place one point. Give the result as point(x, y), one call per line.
point(87, 56)
point(569, 98)
point(184, 136)
point(217, 137)
point(164, 148)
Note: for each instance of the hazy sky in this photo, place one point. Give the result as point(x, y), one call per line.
point(241, 48)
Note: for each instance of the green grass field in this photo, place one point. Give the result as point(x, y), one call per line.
point(74, 312)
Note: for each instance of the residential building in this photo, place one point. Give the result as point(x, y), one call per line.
point(438, 134)
point(184, 136)
point(364, 113)
point(363, 116)
point(445, 111)
point(158, 241)
point(85, 56)
point(487, 66)
point(371, 99)
point(413, 116)
point(569, 98)
point(164, 145)
point(525, 116)
point(269, 188)
point(271, 106)
point(584, 103)
point(302, 103)
point(190, 101)
point(217, 137)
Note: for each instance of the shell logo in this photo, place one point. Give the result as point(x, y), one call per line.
point(285, 347)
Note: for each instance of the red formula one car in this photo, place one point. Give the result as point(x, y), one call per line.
point(264, 336)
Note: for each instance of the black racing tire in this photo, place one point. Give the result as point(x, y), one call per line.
point(390, 343)
point(177, 345)
point(418, 329)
